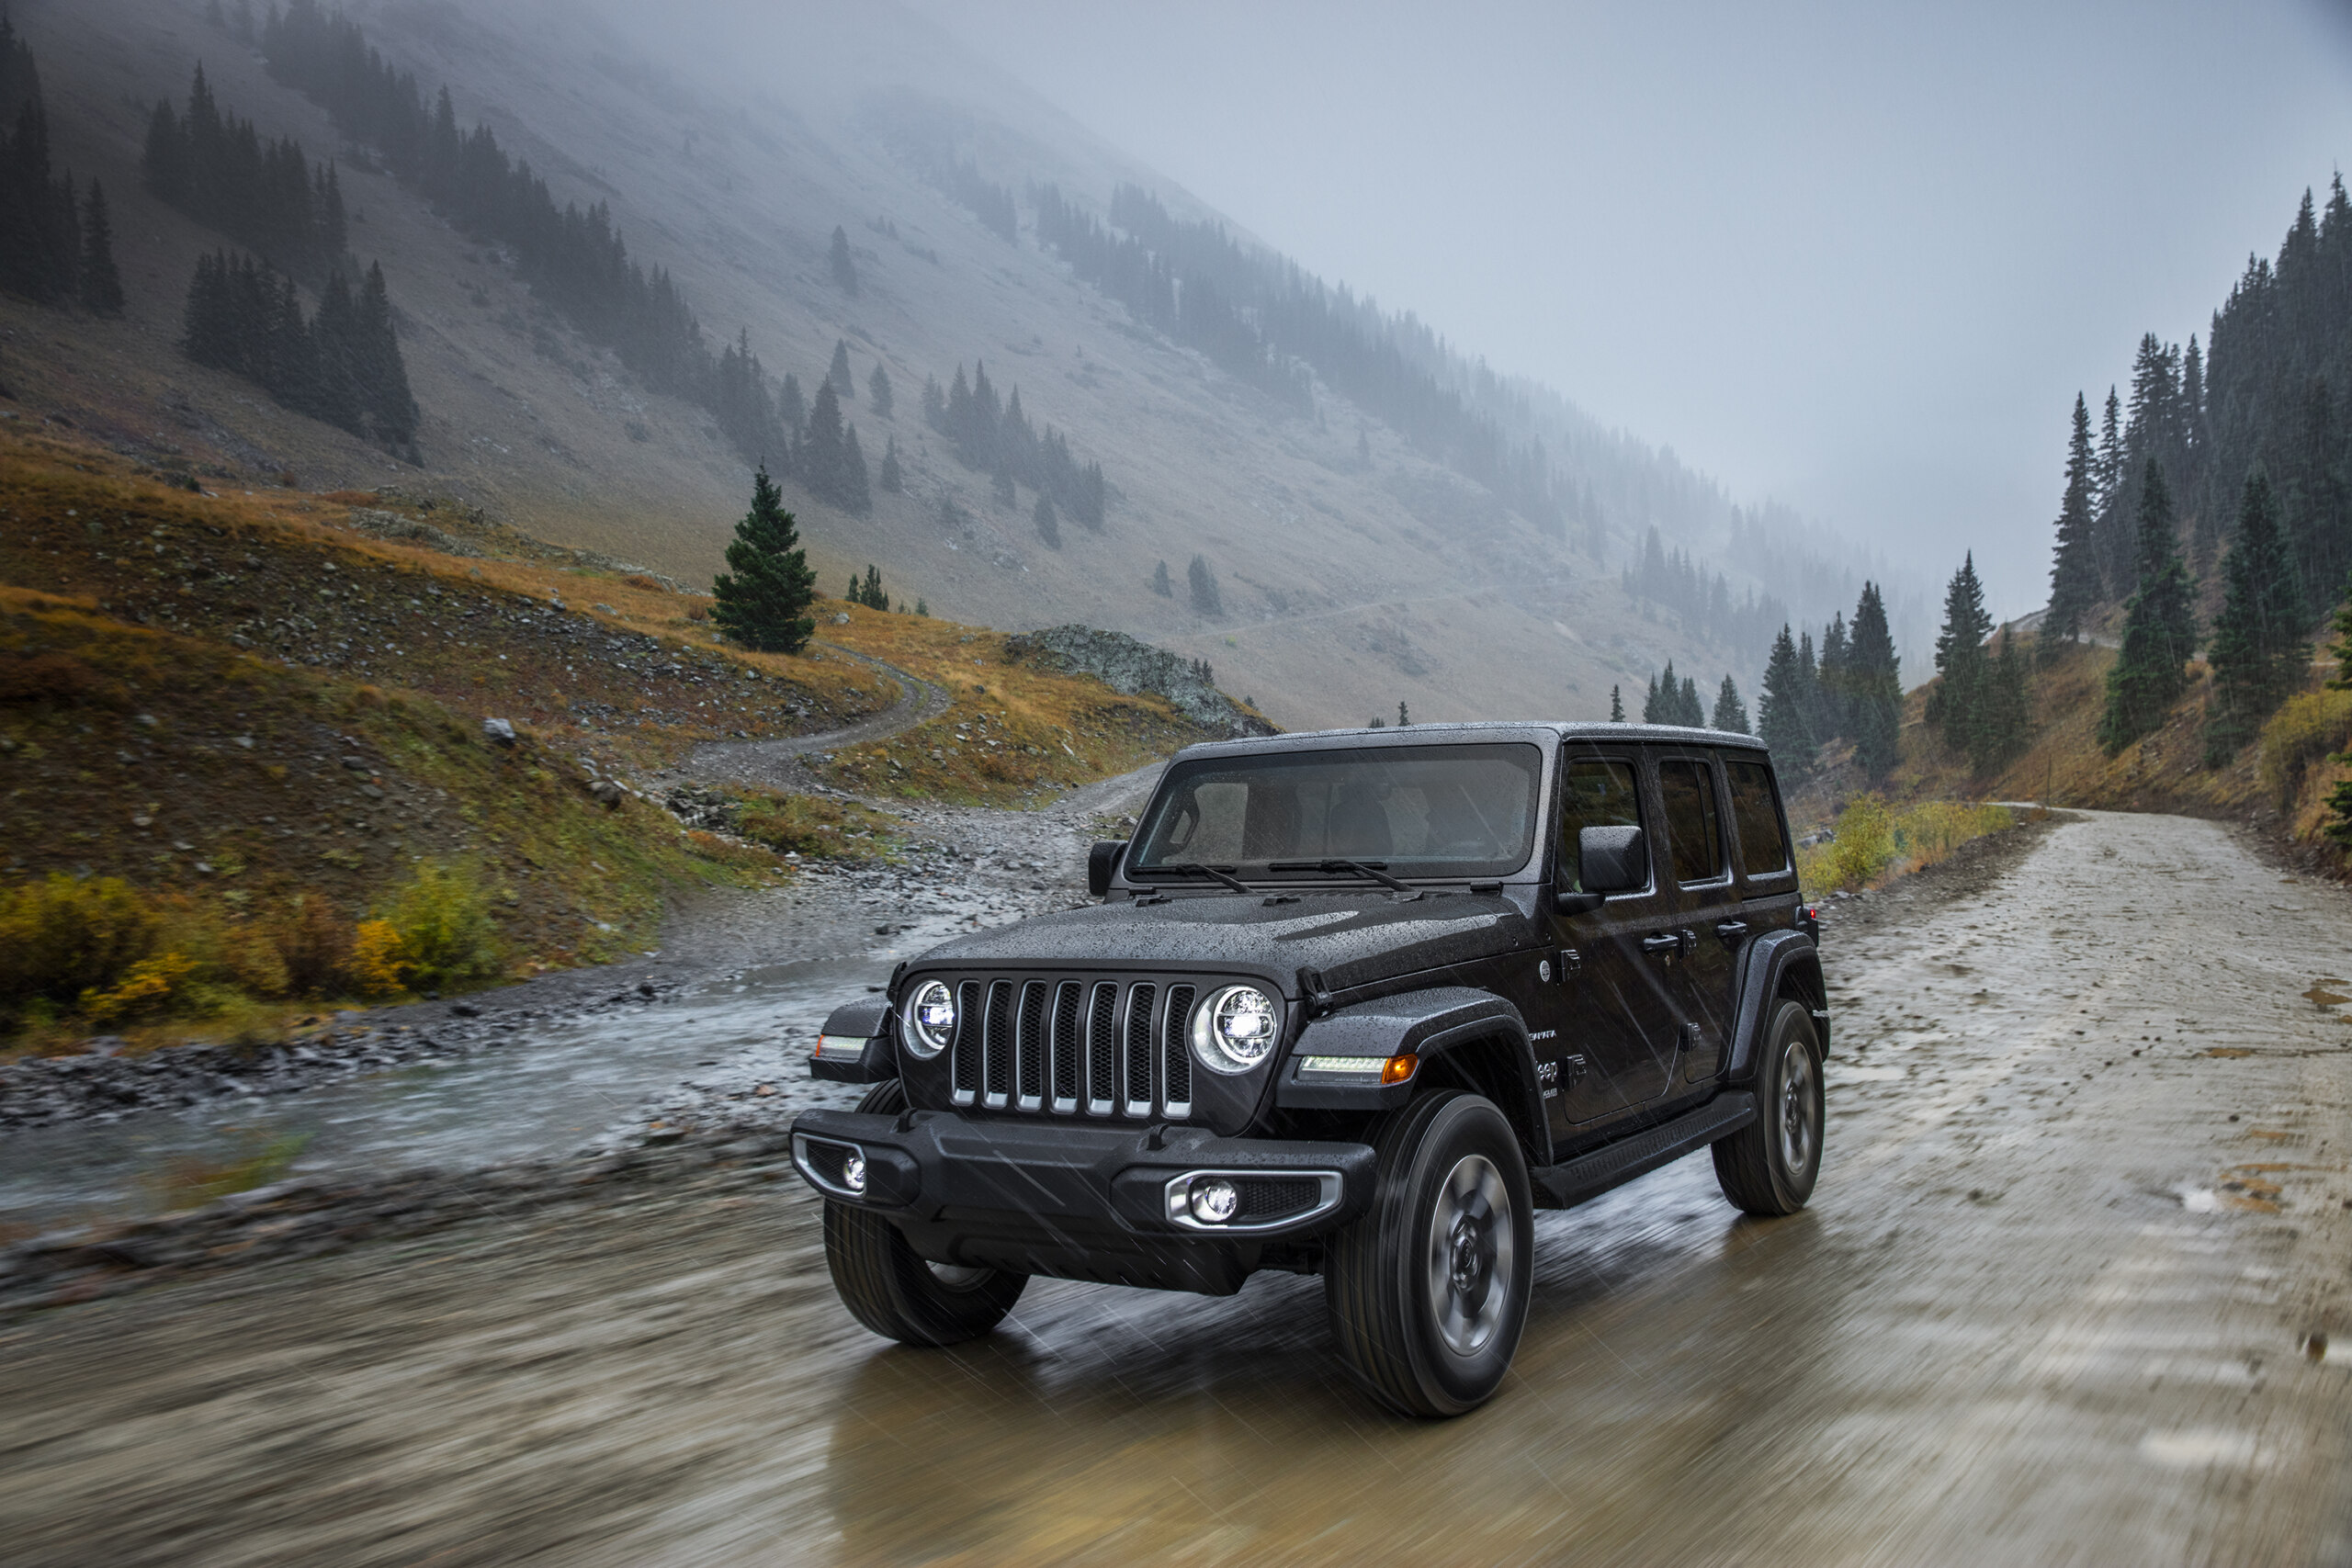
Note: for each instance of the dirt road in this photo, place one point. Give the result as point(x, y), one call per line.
point(2085, 1212)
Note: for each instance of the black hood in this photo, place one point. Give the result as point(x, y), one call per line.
point(1354, 938)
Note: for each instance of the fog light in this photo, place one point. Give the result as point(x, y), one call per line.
point(854, 1172)
point(1214, 1201)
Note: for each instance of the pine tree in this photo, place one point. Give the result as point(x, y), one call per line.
point(763, 598)
point(1875, 686)
point(1687, 710)
point(1403, 721)
point(101, 283)
point(838, 375)
point(1048, 525)
point(857, 495)
point(2258, 655)
point(877, 391)
point(844, 270)
point(1160, 584)
point(1663, 703)
point(892, 480)
point(823, 449)
point(872, 596)
point(2003, 711)
point(2159, 627)
point(382, 375)
point(1780, 710)
point(1731, 714)
point(922, 607)
point(1207, 599)
point(1616, 706)
point(1836, 680)
point(792, 409)
point(1955, 705)
point(2113, 552)
point(2074, 574)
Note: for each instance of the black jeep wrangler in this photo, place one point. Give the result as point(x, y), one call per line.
point(1355, 1003)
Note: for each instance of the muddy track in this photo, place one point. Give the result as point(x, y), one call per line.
point(2071, 1289)
point(776, 763)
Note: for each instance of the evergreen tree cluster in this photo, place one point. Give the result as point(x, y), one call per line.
point(1980, 706)
point(2258, 653)
point(998, 440)
point(1207, 598)
point(867, 590)
point(572, 258)
point(1853, 689)
point(1262, 319)
point(342, 364)
point(2150, 674)
point(986, 200)
point(2268, 390)
point(267, 197)
point(1672, 702)
point(1672, 578)
point(52, 248)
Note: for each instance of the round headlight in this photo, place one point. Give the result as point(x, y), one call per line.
point(931, 1018)
point(1235, 1029)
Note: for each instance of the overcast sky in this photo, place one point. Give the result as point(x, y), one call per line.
point(1856, 257)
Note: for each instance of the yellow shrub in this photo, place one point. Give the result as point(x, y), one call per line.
point(380, 966)
point(60, 937)
point(2308, 726)
point(1865, 842)
point(445, 933)
point(153, 986)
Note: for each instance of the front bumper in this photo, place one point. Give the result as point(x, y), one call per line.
point(1047, 1197)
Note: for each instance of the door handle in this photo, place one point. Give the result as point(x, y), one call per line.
point(1730, 932)
point(1664, 941)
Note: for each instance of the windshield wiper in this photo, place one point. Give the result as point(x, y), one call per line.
point(1361, 868)
point(1192, 868)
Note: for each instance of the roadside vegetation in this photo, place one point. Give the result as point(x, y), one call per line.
point(1871, 843)
point(245, 770)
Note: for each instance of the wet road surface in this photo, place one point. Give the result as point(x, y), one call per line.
point(2054, 1301)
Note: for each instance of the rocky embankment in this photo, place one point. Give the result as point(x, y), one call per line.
point(1124, 664)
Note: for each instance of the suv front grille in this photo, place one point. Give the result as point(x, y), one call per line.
point(1067, 1047)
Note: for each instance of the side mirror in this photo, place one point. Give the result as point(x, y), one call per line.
point(1615, 859)
point(1102, 863)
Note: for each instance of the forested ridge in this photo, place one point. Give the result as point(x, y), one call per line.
point(54, 247)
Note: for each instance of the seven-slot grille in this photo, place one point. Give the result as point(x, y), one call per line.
point(1070, 1046)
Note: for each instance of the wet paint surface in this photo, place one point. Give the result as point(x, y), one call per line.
point(2028, 1317)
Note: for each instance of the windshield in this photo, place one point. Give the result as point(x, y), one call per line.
point(1465, 810)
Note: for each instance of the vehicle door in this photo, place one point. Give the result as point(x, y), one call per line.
point(1610, 1016)
point(1703, 975)
point(1761, 855)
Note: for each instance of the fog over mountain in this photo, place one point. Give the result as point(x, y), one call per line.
point(1854, 258)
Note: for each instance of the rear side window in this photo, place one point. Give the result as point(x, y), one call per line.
point(1691, 827)
point(1763, 852)
point(1594, 795)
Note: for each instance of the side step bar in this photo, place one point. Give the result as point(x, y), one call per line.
point(1579, 1180)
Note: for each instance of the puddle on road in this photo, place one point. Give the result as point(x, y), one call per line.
point(547, 1087)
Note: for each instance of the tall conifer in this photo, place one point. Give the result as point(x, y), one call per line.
point(1876, 686)
point(763, 597)
point(1781, 710)
point(2258, 653)
point(1731, 714)
point(2074, 574)
point(2159, 625)
point(101, 283)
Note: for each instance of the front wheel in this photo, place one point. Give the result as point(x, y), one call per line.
point(1427, 1290)
point(1768, 1166)
point(895, 1291)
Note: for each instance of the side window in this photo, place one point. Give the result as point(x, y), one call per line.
point(1763, 852)
point(1594, 795)
point(1691, 827)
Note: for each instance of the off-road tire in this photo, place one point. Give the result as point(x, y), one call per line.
point(892, 1289)
point(1394, 1286)
point(1768, 1166)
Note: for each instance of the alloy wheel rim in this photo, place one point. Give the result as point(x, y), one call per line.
point(1797, 1102)
point(1471, 1255)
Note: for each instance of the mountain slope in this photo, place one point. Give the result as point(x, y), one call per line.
point(1349, 584)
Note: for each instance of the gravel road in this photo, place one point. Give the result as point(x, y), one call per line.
point(2073, 1289)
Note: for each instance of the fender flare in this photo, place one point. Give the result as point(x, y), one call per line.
point(1429, 1024)
point(1769, 962)
point(866, 1020)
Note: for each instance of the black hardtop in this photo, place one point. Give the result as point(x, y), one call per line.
point(1470, 733)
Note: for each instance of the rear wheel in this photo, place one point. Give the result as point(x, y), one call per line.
point(1769, 1166)
point(1427, 1290)
point(895, 1291)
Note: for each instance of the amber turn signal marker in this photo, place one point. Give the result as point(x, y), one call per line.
point(1400, 1067)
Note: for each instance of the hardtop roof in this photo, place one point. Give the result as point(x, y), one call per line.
point(1466, 733)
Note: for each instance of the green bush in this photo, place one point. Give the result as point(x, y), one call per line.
point(447, 937)
point(1865, 842)
point(61, 936)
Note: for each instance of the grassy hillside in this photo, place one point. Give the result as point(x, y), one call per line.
point(1349, 584)
point(262, 716)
